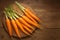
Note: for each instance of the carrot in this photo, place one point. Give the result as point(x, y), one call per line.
point(8, 24)
point(18, 23)
point(26, 13)
point(17, 10)
point(24, 26)
point(26, 10)
point(15, 27)
point(24, 17)
point(23, 21)
point(9, 27)
point(32, 15)
point(29, 21)
point(29, 30)
point(21, 27)
point(13, 22)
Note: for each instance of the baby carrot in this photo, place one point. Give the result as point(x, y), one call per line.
point(21, 27)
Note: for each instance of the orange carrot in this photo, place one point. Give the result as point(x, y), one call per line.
point(17, 10)
point(8, 24)
point(25, 19)
point(15, 27)
point(29, 30)
point(31, 14)
point(9, 27)
point(18, 23)
point(29, 21)
point(21, 27)
point(25, 23)
point(26, 10)
point(10, 15)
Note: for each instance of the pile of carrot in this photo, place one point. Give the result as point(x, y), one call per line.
point(25, 21)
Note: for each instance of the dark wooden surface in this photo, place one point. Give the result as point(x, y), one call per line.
point(47, 11)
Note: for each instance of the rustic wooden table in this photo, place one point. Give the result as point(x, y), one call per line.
point(47, 11)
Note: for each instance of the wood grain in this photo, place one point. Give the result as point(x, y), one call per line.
point(48, 11)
